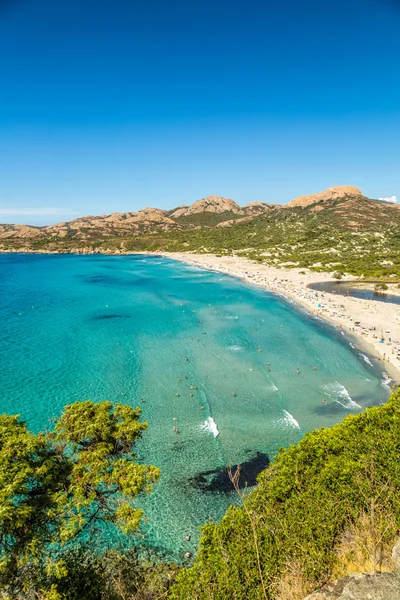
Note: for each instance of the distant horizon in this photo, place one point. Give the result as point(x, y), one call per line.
point(110, 108)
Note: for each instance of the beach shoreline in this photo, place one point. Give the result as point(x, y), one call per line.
point(377, 320)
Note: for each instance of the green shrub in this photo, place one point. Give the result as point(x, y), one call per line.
point(300, 509)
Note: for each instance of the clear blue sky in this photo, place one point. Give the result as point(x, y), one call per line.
point(116, 105)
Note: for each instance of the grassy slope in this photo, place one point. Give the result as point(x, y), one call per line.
point(314, 496)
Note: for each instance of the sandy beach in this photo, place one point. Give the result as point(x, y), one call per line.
point(375, 325)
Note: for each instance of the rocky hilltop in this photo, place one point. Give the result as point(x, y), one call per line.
point(214, 204)
point(331, 193)
point(337, 230)
point(20, 231)
point(208, 211)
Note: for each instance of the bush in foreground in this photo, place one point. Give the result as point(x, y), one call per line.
point(328, 505)
point(58, 489)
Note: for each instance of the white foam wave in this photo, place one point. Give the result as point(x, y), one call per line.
point(289, 419)
point(352, 345)
point(231, 317)
point(274, 388)
point(338, 393)
point(210, 426)
point(366, 359)
point(386, 381)
point(235, 348)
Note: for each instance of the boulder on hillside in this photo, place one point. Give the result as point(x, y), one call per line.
point(383, 586)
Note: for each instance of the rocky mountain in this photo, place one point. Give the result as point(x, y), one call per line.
point(206, 212)
point(329, 194)
point(213, 204)
point(19, 231)
point(336, 230)
point(113, 225)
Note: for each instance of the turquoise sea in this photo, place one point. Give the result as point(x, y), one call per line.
point(121, 329)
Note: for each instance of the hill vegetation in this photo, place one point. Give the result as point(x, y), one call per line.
point(338, 230)
point(328, 506)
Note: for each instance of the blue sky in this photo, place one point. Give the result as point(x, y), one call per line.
point(116, 105)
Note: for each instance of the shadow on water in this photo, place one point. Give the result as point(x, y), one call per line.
point(132, 281)
point(105, 317)
point(332, 408)
point(217, 480)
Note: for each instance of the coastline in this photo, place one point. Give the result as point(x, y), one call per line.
point(377, 320)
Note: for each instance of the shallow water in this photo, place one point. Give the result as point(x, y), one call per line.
point(121, 328)
point(364, 291)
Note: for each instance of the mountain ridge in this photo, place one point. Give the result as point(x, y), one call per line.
point(332, 231)
point(161, 218)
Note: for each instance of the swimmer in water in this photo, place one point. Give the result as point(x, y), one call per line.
point(315, 368)
point(298, 371)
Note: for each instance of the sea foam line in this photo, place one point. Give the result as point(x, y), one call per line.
point(338, 393)
point(210, 426)
point(386, 381)
point(366, 359)
point(290, 420)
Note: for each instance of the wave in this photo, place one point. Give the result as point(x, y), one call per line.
point(386, 381)
point(366, 359)
point(289, 419)
point(338, 393)
point(210, 426)
point(231, 317)
point(235, 348)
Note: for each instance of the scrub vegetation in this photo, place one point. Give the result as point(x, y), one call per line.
point(325, 507)
point(350, 234)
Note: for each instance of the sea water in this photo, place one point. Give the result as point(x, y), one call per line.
point(195, 349)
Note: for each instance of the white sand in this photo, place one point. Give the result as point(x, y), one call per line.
point(378, 320)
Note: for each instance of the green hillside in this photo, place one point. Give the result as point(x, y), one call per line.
point(352, 234)
point(309, 520)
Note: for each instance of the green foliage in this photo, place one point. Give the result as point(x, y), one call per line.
point(381, 287)
point(31, 477)
point(56, 487)
point(130, 575)
point(351, 234)
point(300, 508)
